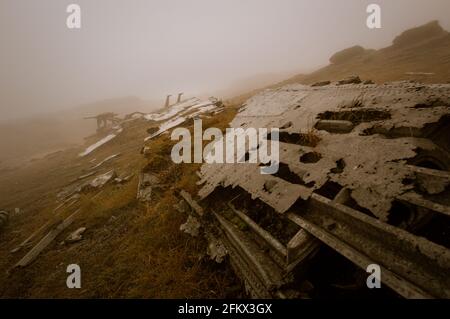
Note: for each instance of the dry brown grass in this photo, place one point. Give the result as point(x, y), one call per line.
point(130, 249)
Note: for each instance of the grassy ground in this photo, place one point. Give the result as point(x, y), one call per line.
point(130, 249)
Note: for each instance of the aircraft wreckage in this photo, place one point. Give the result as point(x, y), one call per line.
point(364, 169)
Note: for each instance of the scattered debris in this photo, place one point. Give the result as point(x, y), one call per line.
point(177, 114)
point(123, 180)
point(75, 236)
point(375, 150)
point(109, 158)
point(74, 198)
point(103, 141)
point(101, 180)
point(85, 176)
point(103, 119)
point(45, 241)
point(167, 126)
point(31, 237)
point(191, 227)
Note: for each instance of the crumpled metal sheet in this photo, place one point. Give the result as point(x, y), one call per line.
point(374, 163)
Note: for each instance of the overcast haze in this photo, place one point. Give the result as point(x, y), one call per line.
point(150, 48)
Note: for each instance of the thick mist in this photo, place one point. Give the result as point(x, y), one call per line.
point(149, 48)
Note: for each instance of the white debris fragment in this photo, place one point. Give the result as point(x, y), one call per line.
point(123, 180)
point(75, 236)
point(173, 110)
point(105, 160)
point(97, 145)
point(203, 109)
point(167, 126)
point(180, 112)
point(104, 140)
point(101, 180)
point(191, 227)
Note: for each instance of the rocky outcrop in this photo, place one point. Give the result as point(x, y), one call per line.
point(422, 33)
point(347, 54)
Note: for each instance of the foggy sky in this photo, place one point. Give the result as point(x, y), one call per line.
point(149, 48)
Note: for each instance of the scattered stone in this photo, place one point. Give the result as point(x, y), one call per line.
point(85, 176)
point(367, 82)
point(191, 227)
point(46, 240)
point(123, 180)
point(27, 241)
